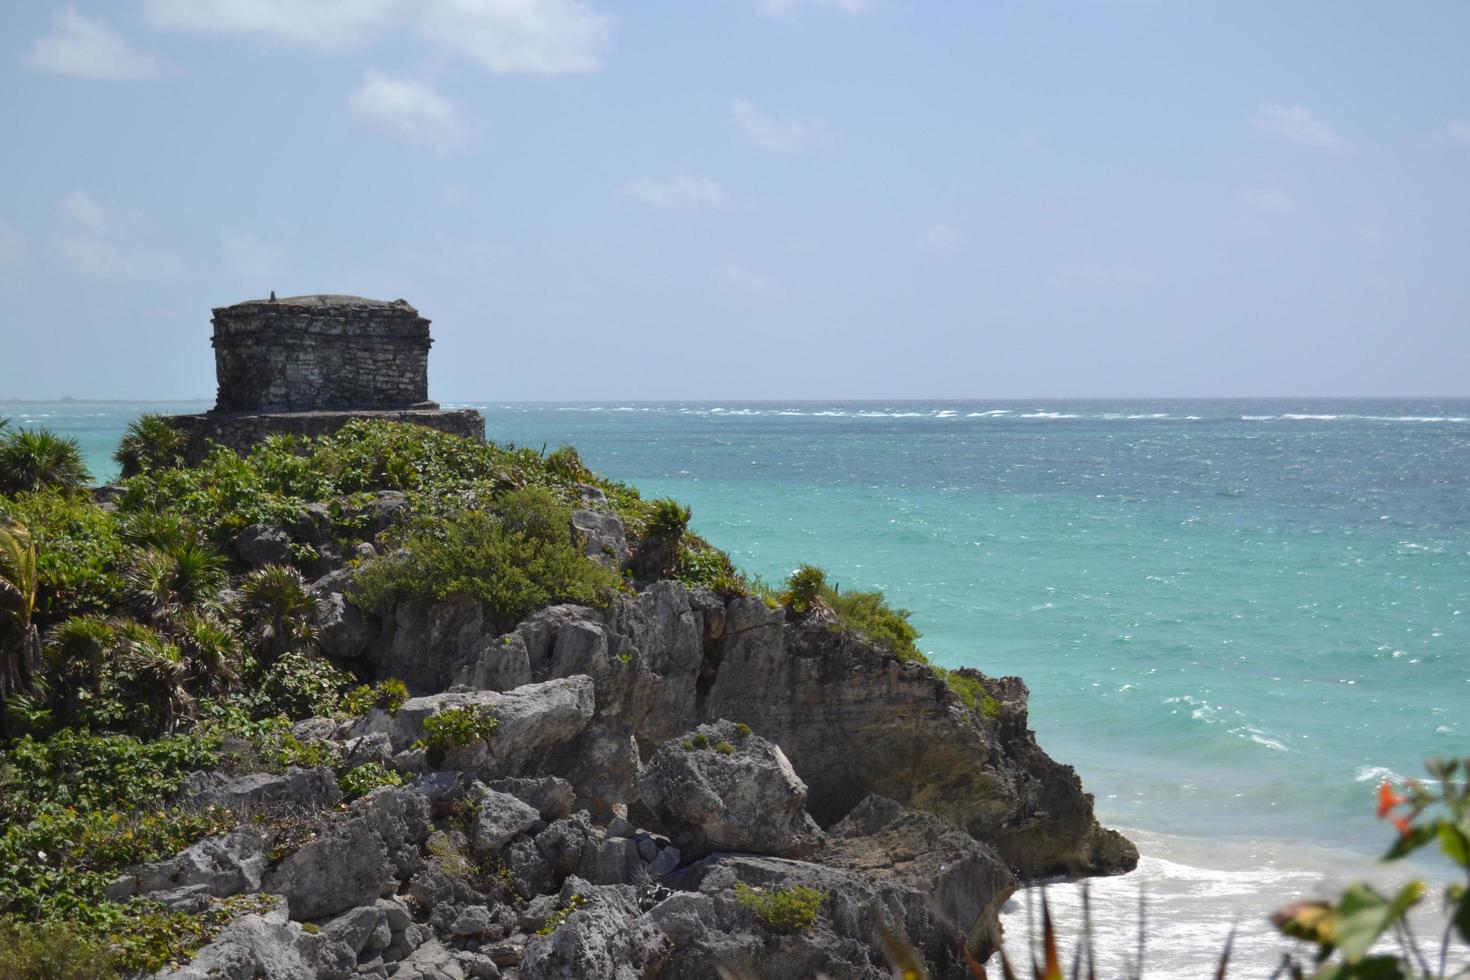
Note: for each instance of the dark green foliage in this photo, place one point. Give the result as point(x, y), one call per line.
point(117, 675)
point(159, 581)
point(724, 748)
point(514, 557)
point(300, 685)
point(703, 565)
point(79, 552)
point(787, 910)
point(366, 778)
point(667, 521)
point(38, 459)
point(150, 443)
point(805, 587)
point(274, 610)
point(565, 463)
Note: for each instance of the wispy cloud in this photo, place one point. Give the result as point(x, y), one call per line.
point(938, 237)
point(247, 257)
point(99, 242)
point(410, 111)
point(85, 47)
point(540, 37)
point(1295, 123)
point(1266, 200)
point(13, 255)
point(781, 135)
point(750, 283)
point(681, 191)
point(785, 8)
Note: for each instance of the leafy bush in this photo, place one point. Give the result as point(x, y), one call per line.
point(366, 778)
point(300, 685)
point(455, 728)
point(37, 459)
point(513, 558)
point(388, 695)
point(708, 567)
point(161, 581)
point(966, 683)
point(79, 552)
point(870, 614)
point(788, 910)
point(149, 443)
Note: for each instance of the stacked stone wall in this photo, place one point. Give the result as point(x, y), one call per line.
point(320, 353)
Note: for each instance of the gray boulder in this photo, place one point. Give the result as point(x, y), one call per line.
point(307, 789)
point(603, 537)
point(500, 818)
point(722, 788)
point(259, 544)
point(341, 629)
point(221, 866)
point(251, 946)
point(552, 796)
point(602, 936)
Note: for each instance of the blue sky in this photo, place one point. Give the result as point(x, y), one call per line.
point(719, 199)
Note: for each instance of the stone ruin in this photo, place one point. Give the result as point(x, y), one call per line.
point(309, 364)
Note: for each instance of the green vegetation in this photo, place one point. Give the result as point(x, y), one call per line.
point(724, 748)
point(150, 443)
point(366, 778)
point(867, 613)
point(971, 690)
point(555, 919)
point(668, 520)
point(787, 910)
point(388, 695)
point(37, 459)
point(456, 728)
point(513, 556)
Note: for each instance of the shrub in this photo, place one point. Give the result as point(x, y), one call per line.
point(455, 728)
point(553, 921)
point(724, 748)
point(365, 778)
point(788, 910)
point(52, 951)
point(514, 558)
point(159, 582)
point(565, 463)
point(667, 521)
point(388, 695)
point(870, 614)
point(300, 685)
point(804, 587)
point(149, 443)
point(704, 566)
point(37, 459)
point(78, 552)
point(970, 689)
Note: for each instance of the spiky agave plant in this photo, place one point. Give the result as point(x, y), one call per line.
point(19, 642)
point(211, 649)
point(668, 520)
point(804, 588)
point(34, 459)
point(149, 674)
point(275, 611)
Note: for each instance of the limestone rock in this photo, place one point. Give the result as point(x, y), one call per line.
point(603, 937)
point(259, 544)
point(501, 817)
point(249, 947)
point(603, 537)
point(552, 796)
point(224, 866)
point(312, 789)
point(718, 789)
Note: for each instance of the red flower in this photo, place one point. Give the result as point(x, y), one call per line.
point(1388, 799)
point(1402, 823)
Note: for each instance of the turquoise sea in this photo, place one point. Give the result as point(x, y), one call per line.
point(1235, 617)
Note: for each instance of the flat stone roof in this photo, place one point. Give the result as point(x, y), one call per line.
point(322, 301)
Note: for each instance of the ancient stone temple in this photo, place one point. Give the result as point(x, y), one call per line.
point(306, 353)
point(309, 364)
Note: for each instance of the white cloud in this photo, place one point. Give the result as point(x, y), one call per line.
point(85, 47)
point(1267, 200)
point(1458, 132)
point(409, 111)
point(938, 237)
point(542, 37)
point(1295, 123)
point(681, 191)
point(247, 257)
point(1101, 276)
point(783, 136)
point(13, 255)
point(750, 283)
point(98, 242)
point(785, 8)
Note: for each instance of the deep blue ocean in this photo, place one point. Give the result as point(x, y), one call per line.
point(1235, 617)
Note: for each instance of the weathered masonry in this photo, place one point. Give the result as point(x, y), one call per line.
point(307, 353)
point(306, 365)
